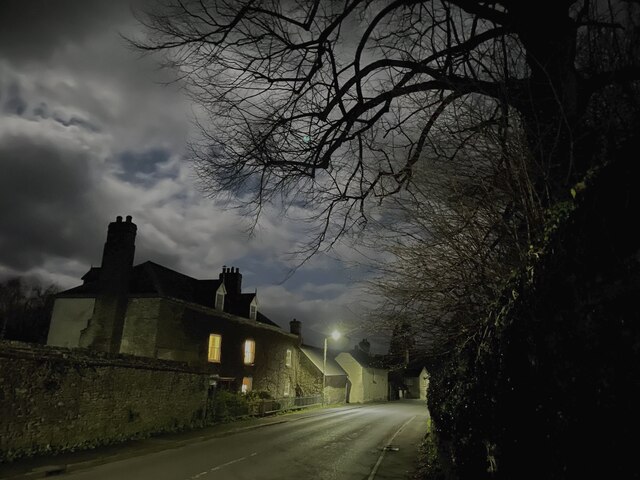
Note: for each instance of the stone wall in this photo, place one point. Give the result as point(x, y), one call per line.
point(56, 399)
point(309, 382)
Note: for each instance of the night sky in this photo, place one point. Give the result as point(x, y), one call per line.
point(89, 131)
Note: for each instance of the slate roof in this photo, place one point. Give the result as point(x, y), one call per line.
point(316, 355)
point(239, 304)
point(152, 279)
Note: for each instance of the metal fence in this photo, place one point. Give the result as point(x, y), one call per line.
point(273, 405)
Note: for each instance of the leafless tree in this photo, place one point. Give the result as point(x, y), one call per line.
point(454, 238)
point(331, 105)
point(25, 310)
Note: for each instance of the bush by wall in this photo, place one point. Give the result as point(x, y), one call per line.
point(550, 389)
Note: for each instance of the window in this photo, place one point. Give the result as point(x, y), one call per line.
point(249, 352)
point(220, 301)
point(287, 387)
point(288, 359)
point(253, 311)
point(247, 383)
point(215, 348)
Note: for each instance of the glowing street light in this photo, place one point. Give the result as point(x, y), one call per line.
point(336, 336)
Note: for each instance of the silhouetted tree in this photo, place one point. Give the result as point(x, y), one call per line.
point(333, 104)
point(451, 244)
point(25, 310)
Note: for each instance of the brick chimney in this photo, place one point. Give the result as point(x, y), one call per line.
point(295, 327)
point(232, 280)
point(364, 346)
point(104, 331)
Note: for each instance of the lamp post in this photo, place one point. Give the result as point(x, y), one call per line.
point(335, 335)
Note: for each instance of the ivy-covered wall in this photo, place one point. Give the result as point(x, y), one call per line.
point(57, 399)
point(551, 389)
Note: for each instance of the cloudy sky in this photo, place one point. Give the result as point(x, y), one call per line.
point(88, 131)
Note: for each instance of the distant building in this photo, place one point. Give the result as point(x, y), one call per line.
point(368, 378)
point(416, 381)
point(311, 368)
point(152, 311)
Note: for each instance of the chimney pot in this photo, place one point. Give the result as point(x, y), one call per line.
point(119, 218)
point(129, 218)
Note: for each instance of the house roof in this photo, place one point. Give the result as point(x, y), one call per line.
point(316, 355)
point(150, 278)
point(367, 360)
point(239, 304)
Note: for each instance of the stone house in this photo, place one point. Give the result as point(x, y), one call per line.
point(311, 367)
point(149, 310)
point(368, 378)
point(416, 381)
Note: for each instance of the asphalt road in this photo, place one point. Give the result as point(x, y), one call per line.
point(341, 444)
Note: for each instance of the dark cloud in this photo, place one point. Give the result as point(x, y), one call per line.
point(86, 133)
point(32, 30)
point(43, 195)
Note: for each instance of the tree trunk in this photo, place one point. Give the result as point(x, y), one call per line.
point(550, 103)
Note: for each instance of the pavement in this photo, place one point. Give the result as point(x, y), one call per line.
point(51, 465)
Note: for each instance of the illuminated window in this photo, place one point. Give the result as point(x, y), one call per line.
point(253, 311)
point(215, 348)
point(219, 301)
point(287, 387)
point(288, 360)
point(247, 383)
point(249, 352)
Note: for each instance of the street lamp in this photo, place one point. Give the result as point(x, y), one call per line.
point(335, 335)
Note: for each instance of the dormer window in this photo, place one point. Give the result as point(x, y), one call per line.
point(253, 308)
point(220, 301)
point(220, 294)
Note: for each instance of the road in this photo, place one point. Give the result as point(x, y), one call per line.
point(341, 444)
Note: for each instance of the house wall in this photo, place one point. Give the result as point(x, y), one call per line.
point(418, 386)
point(367, 384)
point(139, 334)
point(336, 389)
point(375, 384)
point(174, 330)
point(69, 317)
point(309, 382)
point(56, 399)
point(424, 384)
point(355, 373)
point(183, 334)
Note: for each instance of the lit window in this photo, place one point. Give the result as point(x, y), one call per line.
point(287, 387)
point(215, 348)
point(288, 360)
point(249, 352)
point(247, 383)
point(253, 311)
point(219, 301)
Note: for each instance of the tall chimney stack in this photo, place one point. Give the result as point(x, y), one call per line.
point(232, 280)
point(104, 331)
point(295, 327)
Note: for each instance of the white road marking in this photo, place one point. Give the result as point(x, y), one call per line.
point(198, 475)
point(372, 475)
